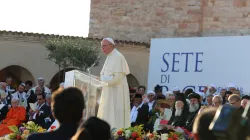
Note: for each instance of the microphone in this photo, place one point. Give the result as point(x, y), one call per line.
point(94, 63)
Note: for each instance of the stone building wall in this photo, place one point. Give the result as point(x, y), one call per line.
point(141, 20)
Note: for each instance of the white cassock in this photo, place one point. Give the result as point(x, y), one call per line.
point(114, 104)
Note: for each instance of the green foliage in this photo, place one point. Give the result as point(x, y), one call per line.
point(84, 54)
point(14, 129)
point(68, 52)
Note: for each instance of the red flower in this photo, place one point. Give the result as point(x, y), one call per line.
point(18, 137)
point(151, 135)
point(170, 139)
point(134, 135)
point(119, 132)
point(175, 136)
point(53, 127)
point(138, 138)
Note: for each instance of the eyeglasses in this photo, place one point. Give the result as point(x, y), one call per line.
point(105, 45)
point(150, 95)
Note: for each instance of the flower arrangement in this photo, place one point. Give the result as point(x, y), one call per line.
point(24, 131)
point(137, 133)
point(134, 133)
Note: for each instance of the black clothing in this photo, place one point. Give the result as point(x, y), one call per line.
point(177, 120)
point(142, 117)
point(3, 112)
point(64, 132)
point(190, 120)
point(44, 112)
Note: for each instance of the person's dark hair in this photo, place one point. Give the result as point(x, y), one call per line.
point(30, 83)
point(141, 87)
point(43, 95)
point(224, 98)
point(188, 91)
point(97, 129)
point(158, 88)
point(202, 122)
point(67, 105)
point(246, 97)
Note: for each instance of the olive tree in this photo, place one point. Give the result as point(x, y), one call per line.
point(78, 53)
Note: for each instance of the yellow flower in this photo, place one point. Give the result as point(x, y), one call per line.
point(26, 132)
point(41, 130)
point(23, 136)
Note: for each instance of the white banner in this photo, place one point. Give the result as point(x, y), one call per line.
point(198, 62)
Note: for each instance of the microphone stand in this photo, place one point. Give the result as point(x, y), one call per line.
point(90, 78)
point(89, 73)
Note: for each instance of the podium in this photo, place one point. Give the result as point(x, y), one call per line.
point(91, 88)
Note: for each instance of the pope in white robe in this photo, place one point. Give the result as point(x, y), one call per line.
point(114, 104)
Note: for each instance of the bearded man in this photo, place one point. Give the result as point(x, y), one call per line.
point(179, 117)
point(194, 108)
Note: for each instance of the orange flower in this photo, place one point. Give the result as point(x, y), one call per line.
point(138, 138)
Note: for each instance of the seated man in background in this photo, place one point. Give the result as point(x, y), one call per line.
point(43, 111)
point(15, 116)
point(194, 108)
point(180, 115)
point(21, 95)
point(217, 101)
point(235, 101)
point(139, 113)
point(3, 108)
point(244, 100)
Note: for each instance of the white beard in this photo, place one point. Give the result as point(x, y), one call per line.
point(178, 112)
point(193, 108)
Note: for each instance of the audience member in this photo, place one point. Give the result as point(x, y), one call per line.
point(139, 113)
point(89, 130)
point(15, 116)
point(201, 125)
point(244, 100)
point(67, 106)
point(43, 111)
point(217, 101)
point(235, 101)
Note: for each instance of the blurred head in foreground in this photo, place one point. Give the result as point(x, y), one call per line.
point(201, 125)
point(67, 105)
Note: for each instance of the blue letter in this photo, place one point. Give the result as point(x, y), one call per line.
point(189, 87)
point(166, 62)
point(173, 70)
point(164, 77)
point(198, 61)
point(201, 88)
point(186, 66)
point(164, 87)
